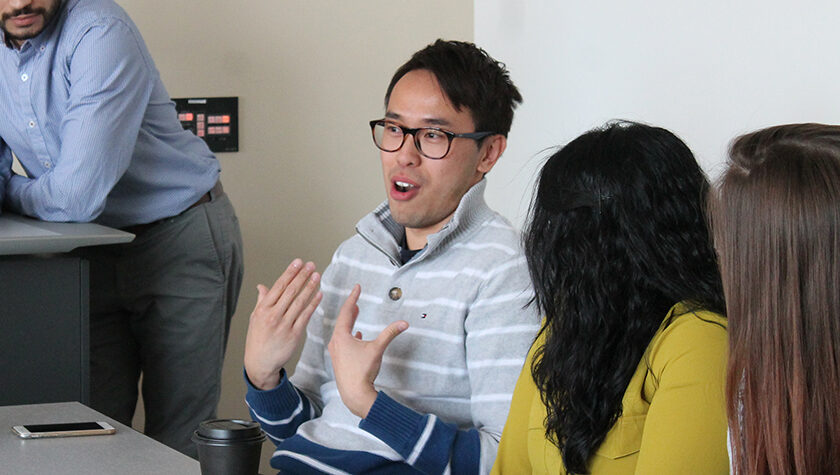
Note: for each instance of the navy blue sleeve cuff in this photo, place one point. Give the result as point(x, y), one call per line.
point(395, 424)
point(279, 400)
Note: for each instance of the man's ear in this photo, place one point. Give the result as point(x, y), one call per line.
point(493, 147)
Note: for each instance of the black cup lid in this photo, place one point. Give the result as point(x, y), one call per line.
point(229, 429)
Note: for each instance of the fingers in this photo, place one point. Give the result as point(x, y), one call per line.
point(261, 291)
point(292, 270)
point(293, 301)
point(297, 293)
point(349, 310)
point(291, 297)
point(389, 333)
point(303, 319)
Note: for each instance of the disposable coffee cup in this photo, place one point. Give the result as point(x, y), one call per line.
point(229, 447)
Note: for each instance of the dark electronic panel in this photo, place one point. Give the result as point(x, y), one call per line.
point(214, 119)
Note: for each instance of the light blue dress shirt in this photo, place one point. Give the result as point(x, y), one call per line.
point(83, 108)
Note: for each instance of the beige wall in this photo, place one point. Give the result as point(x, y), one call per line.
point(309, 75)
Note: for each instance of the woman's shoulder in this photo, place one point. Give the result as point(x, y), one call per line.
point(686, 320)
point(687, 330)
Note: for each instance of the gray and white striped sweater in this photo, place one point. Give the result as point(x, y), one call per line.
point(446, 383)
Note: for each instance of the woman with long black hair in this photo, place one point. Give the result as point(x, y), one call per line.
point(627, 373)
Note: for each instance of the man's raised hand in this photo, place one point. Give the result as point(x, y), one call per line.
point(278, 322)
point(356, 362)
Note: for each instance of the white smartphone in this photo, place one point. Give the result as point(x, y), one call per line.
point(71, 429)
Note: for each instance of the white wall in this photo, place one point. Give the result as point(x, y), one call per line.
point(708, 71)
point(309, 75)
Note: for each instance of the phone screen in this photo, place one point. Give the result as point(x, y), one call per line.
point(71, 426)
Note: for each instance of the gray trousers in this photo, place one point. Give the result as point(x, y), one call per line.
point(161, 307)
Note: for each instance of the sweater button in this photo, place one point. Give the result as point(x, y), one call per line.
point(395, 293)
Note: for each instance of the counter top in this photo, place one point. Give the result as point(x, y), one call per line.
point(20, 235)
point(126, 451)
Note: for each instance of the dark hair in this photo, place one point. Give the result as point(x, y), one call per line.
point(616, 237)
point(776, 217)
point(470, 78)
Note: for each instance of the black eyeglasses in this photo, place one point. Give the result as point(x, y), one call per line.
point(431, 142)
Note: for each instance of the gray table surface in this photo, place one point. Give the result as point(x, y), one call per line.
point(21, 235)
point(127, 451)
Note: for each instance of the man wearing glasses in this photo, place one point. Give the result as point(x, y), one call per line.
point(432, 262)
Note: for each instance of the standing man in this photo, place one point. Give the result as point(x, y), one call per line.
point(83, 108)
point(435, 263)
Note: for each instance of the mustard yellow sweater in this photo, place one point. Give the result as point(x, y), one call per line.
point(674, 415)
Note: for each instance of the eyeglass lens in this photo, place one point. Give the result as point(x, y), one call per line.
point(431, 142)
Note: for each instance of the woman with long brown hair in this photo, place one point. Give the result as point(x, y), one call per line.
point(776, 218)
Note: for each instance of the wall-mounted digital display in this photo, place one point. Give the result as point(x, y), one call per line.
point(214, 119)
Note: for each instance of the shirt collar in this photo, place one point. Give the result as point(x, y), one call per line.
point(380, 229)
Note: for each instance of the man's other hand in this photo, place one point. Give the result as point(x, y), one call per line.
point(278, 322)
point(356, 362)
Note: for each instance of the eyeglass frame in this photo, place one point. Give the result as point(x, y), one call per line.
point(406, 131)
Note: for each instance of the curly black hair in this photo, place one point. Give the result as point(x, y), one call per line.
point(616, 236)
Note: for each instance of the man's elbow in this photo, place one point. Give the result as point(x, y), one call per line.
point(84, 215)
point(83, 212)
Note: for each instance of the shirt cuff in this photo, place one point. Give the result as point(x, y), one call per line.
point(395, 424)
point(278, 400)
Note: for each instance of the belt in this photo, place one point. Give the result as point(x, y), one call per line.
point(138, 229)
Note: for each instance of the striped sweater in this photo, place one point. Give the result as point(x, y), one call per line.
point(445, 384)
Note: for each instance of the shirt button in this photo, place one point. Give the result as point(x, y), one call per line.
point(31, 124)
point(47, 164)
point(24, 77)
point(43, 47)
point(395, 293)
